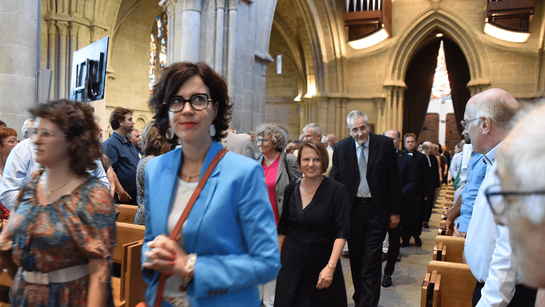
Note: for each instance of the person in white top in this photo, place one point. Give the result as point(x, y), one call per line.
point(519, 201)
point(487, 246)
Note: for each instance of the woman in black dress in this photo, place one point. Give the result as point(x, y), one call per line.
point(312, 231)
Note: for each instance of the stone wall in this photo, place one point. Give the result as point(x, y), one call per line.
point(129, 59)
point(18, 60)
point(372, 79)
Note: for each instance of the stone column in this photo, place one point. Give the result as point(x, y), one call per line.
point(52, 55)
point(170, 7)
point(379, 102)
point(302, 115)
point(63, 31)
point(344, 102)
point(321, 103)
point(231, 46)
point(18, 65)
point(218, 49)
point(191, 30)
point(400, 95)
point(338, 119)
point(388, 113)
point(74, 29)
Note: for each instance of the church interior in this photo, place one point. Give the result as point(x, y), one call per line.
point(288, 62)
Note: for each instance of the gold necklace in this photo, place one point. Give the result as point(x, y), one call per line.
point(189, 177)
point(53, 190)
point(309, 193)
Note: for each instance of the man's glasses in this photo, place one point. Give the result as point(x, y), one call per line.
point(198, 102)
point(465, 122)
point(34, 133)
point(499, 200)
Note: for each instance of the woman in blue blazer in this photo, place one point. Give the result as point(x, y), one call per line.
point(231, 228)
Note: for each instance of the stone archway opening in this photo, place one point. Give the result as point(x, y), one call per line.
point(419, 78)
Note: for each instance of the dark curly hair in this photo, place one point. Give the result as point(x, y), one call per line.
point(172, 79)
point(77, 122)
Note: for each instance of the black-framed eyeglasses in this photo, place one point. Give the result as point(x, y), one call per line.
point(465, 122)
point(498, 200)
point(198, 102)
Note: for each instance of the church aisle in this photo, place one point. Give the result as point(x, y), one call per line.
point(408, 274)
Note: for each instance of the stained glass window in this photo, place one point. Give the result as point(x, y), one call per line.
point(158, 49)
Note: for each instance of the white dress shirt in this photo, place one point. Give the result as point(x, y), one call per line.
point(487, 248)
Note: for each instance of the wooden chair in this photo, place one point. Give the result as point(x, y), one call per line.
point(126, 213)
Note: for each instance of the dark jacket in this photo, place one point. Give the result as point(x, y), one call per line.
point(382, 172)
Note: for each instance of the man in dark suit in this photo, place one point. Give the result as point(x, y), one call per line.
point(407, 176)
point(411, 225)
point(433, 181)
point(366, 164)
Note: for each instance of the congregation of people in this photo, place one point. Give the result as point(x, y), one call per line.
point(257, 219)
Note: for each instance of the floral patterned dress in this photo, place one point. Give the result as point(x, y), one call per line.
point(75, 228)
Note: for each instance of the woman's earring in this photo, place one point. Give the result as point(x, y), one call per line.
point(212, 130)
point(169, 133)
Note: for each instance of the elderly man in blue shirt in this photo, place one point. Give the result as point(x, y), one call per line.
point(487, 247)
point(123, 155)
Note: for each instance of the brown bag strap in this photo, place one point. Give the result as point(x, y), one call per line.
point(185, 214)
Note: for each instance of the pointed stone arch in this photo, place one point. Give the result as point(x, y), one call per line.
point(409, 42)
point(415, 34)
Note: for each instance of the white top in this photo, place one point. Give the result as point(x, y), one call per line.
point(466, 156)
point(455, 165)
point(487, 248)
point(183, 193)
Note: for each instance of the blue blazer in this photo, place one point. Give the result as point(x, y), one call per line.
point(231, 228)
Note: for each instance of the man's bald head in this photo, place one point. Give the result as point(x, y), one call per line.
point(487, 116)
point(427, 147)
point(395, 136)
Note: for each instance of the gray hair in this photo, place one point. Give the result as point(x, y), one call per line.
point(27, 125)
point(315, 127)
point(324, 140)
point(277, 135)
point(130, 135)
point(351, 117)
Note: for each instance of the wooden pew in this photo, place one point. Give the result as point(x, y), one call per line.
point(126, 213)
point(133, 286)
point(431, 288)
point(455, 286)
point(126, 234)
point(455, 248)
